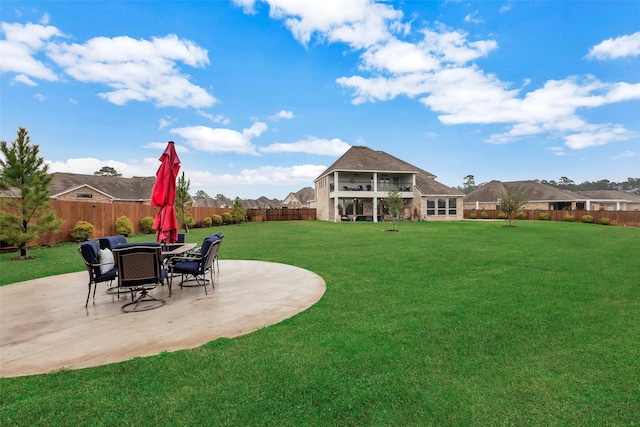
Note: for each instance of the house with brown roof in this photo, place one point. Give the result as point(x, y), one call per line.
point(355, 186)
point(611, 200)
point(303, 198)
point(101, 189)
point(546, 197)
point(539, 196)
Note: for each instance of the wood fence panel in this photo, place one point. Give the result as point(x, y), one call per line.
point(103, 216)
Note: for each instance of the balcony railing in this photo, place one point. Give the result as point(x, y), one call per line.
point(348, 186)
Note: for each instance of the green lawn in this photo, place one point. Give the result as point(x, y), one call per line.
point(465, 323)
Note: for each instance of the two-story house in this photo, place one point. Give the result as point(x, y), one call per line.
point(354, 188)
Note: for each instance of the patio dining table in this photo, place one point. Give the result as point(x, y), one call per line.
point(174, 250)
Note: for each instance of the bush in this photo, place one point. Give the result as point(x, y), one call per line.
point(605, 221)
point(568, 218)
point(207, 221)
point(124, 226)
point(473, 215)
point(249, 216)
point(227, 218)
point(521, 215)
point(502, 215)
point(587, 219)
point(217, 219)
point(82, 231)
point(190, 222)
point(543, 216)
point(146, 225)
point(484, 215)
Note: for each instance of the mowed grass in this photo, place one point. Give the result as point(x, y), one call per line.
point(465, 323)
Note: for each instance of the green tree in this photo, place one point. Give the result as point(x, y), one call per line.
point(183, 202)
point(201, 195)
point(511, 202)
point(24, 177)
point(107, 171)
point(394, 203)
point(223, 199)
point(237, 211)
point(469, 184)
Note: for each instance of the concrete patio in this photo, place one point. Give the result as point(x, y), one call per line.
point(45, 327)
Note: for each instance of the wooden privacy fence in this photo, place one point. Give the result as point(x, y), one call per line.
point(103, 216)
point(629, 218)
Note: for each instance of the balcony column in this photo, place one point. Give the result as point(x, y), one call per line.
point(588, 206)
point(336, 199)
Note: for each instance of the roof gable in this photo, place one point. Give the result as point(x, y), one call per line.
point(361, 158)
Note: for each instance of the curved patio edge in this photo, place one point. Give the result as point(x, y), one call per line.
point(44, 326)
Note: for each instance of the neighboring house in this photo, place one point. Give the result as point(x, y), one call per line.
point(260, 203)
point(538, 196)
point(101, 189)
point(209, 203)
point(304, 198)
point(355, 186)
point(546, 197)
point(611, 200)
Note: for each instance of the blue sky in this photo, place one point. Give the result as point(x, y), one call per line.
point(261, 96)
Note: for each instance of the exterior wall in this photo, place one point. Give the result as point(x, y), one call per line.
point(458, 216)
point(324, 205)
point(96, 196)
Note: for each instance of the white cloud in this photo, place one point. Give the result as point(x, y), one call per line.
point(21, 78)
point(595, 135)
point(620, 47)
point(164, 122)
point(473, 18)
point(359, 23)
point(505, 8)
point(134, 70)
point(626, 154)
point(137, 70)
point(40, 97)
point(221, 140)
point(283, 114)
point(311, 145)
point(558, 151)
point(21, 44)
point(218, 118)
point(264, 175)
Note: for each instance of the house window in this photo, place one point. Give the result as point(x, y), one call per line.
point(431, 206)
point(84, 196)
point(452, 205)
point(442, 206)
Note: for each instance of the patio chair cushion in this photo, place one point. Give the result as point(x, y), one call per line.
point(112, 242)
point(106, 260)
point(90, 251)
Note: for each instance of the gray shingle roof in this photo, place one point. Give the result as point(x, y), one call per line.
point(364, 159)
point(361, 158)
point(305, 195)
point(118, 188)
point(533, 191)
point(613, 195)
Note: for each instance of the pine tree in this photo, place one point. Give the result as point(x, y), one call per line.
point(183, 202)
point(24, 178)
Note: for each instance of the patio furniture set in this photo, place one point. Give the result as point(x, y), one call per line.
point(138, 268)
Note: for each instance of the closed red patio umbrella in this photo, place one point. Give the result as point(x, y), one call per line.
point(163, 196)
